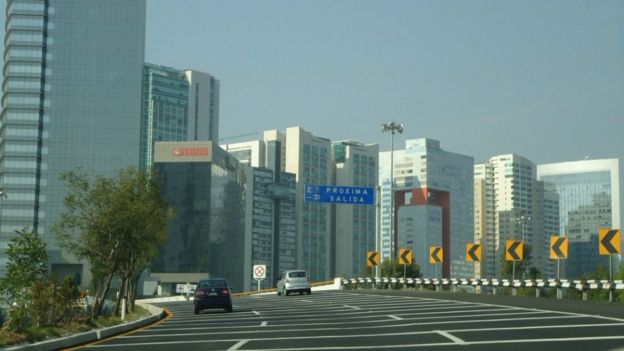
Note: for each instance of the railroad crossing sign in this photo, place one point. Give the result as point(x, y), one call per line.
point(473, 252)
point(372, 259)
point(609, 241)
point(514, 250)
point(558, 247)
point(259, 271)
point(436, 254)
point(405, 256)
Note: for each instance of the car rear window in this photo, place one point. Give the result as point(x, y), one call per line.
point(296, 275)
point(213, 284)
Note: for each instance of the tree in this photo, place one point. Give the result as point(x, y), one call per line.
point(115, 223)
point(393, 269)
point(27, 263)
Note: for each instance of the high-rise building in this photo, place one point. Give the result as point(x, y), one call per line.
point(355, 225)
point(164, 110)
point(203, 111)
point(206, 188)
point(177, 105)
point(433, 205)
point(71, 98)
point(309, 158)
point(271, 223)
point(512, 204)
point(589, 198)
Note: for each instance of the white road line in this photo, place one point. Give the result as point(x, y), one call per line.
point(533, 309)
point(147, 333)
point(264, 324)
point(451, 337)
point(256, 313)
point(237, 345)
point(395, 317)
point(353, 307)
point(550, 326)
point(306, 301)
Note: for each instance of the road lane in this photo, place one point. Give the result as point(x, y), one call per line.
point(344, 320)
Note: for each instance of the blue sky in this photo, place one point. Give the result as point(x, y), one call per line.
point(543, 79)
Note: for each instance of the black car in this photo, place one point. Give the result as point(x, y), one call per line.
point(213, 293)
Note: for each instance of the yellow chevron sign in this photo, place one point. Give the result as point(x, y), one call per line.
point(406, 256)
point(436, 254)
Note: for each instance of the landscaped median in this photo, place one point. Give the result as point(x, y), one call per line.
point(156, 314)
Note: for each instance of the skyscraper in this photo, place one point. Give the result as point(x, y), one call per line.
point(433, 204)
point(71, 98)
point(512, 205)
point(177, 105)
point(270, 221)
point(356, 165)
point(589, 198)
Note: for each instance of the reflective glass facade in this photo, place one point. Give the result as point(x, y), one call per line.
point(589, 198)
point(207, 234)
point(71, 98)
point(165, 108)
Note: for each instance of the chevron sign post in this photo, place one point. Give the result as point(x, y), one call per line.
point(610, 243)
point(558, 250)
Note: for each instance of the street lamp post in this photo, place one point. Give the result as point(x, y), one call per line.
point(392, 127)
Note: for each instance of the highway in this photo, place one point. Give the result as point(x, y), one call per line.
point(380, 320)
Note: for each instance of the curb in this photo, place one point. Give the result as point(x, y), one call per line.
point(93, 335)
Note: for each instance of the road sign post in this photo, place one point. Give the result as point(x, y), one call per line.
point(473, 254)
point(558, 251)
point(259, 273)
point(514, 251)
point(610, 243)
point(436, 256)
point(405, 257)
point(372, 260)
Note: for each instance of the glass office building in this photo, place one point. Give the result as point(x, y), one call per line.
point(589, 198)
point(206, 188)
point(71, 98)
point(165, 108)
point(177, 105)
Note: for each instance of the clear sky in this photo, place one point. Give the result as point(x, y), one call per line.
point(543, 79)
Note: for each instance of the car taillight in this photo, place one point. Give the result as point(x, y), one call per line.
point(201, 292)
point(225, 292)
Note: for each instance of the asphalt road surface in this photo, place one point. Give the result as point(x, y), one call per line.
point(361, 320)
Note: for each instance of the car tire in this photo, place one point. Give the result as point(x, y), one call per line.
point(196, 310)
point(279, 293)
point(286, 293)
point(229, 309)
point(300, 292)
point(309, 291)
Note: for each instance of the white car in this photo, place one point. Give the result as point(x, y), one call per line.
point(293, 281)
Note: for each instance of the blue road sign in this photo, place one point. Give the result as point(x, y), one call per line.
point(336, 194)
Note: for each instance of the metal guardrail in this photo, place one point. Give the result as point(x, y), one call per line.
point(583, 286)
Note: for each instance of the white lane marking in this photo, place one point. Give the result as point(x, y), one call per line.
point(306, 301)
point(538, 327)
point(530, 309)
point(241, 342)
point(148, 333)
point(237, 345)
point(256, 313)
point(353, 307)
point(395, 317)
point(451, 337)
point(264, 324)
